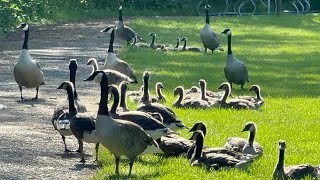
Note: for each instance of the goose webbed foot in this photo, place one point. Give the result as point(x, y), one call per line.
point(20, 88)
point(78, 151)
point(83, 160)
point(35, 98)
point(67, 151)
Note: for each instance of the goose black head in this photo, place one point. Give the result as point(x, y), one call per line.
point(225, 86)
point(184, 39)
point(159, 85)
point(120, 8)
point(178, 90)
point(73, 65)
point(207, 6)
point(199, 126)
point(197, 135)
point(146, 76)
point(66, 85)
point(254, 88)
point(249, 126)
point(152, 34)
point(108, 29)
point(178, 39)
point(202, 82)
point(226, 31)
point(97, 76)
point(282, 145)
point(23, 26)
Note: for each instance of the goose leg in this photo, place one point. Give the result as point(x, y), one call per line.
point(20, 87)
point(97, 149)
point(205, 50)
point(211, 51)
point(130, 165)
point(65, 145)
point(242, 86)
point(81, 150)
point(117, 164)
point(37, 89)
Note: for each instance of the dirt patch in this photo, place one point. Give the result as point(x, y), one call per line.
point(30, 148)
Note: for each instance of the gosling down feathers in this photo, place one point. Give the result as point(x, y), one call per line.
point(235, 70)
point(257, 99)
point(120, 137)
point(209, 38)
point(59, 118)
point(293, 172)
point(189, 48)
point(27, 72)
point(249, 146)
point(82, 125)
point(112, 62)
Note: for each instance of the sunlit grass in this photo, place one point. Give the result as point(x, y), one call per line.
point(282, 55)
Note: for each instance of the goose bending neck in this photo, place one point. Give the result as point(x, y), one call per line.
point(26, 39)
point(72, 107)
point(177, 45)
point(251, 137)
point(103, 104)
point(229, 44)
point(123, 102)
point(110, 50)
point(159, 93)
point(115, 104)
point(225, 95)
point(280, 164)
point(181, 96)
point(207, 17)
point(185, 45)
point(258, 93)
point(199, 146)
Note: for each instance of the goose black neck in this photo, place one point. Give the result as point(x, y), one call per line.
point(115, 104)
point(184, 45)
point(225, 95)
point(152, 40)
point(159, 93)
point(120, 15)
point(203, 91)
point(72, 107)
point(111, 41)
point(251, 137)
point(229, 45)
point(103, 104)
point(181, 97)
point(73, 80)
point(177, 44)
point(26, 39)
point(258, 93)
point(207, 16)
point(146, 89)
point(280, 164)
point(123, 102)
point(199, 146)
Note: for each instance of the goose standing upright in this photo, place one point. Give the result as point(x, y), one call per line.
point(121, 138)
point(81, 125)
point(209, 38)
point(235, 71)
point(114, 63)
point(27, 72)
point(293, 172)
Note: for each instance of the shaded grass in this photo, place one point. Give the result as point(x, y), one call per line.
point(282, 55)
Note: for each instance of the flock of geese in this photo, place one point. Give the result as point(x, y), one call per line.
point(152, 127)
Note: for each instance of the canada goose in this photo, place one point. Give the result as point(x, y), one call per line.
point(124, 32)
point(152, 44)
point(235, 71)
point(169, 117)
point(246, 146)
point(61, 110)
point(135, 96)
point(174, 145)
point(235, 103)
point(188, 103)
point(257, 99)
point(121, 138)
point(81, 125)
point(27, 72)
point(214, 160)
point(114, 63)
point(209, 38)
point(189, 48)
point(123, 104)
point(152, 126)
point(114, 77)
point(160, 96)
point(293, 172)
point(207, 93)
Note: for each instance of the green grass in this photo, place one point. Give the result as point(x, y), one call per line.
point(282, 55)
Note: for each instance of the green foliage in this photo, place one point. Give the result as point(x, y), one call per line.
point(282, 55)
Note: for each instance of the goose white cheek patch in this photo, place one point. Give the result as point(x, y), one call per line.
point(25, 28)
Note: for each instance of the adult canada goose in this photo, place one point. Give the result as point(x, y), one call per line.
point(115, 77)
point(27, 72)
point(152, 126)
point(152, 44)
point(160, 96)
point(169, 117)
point(214, 160)
point(246, 146)
point(114, 63)
point(121, 138)
point(61, 110)
point(188, 103)
point(124, 32)
point(235, 70)
point(189, 48)
point(81, 125)
point(257, 98)
point(235, 103)
point(209, 38)
point(293, 172)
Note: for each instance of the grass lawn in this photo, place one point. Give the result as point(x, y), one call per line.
point(283, 57)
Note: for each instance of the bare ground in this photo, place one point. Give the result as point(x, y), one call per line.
point(30, 148)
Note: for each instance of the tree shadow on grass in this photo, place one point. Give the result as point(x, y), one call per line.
point(133, 176)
